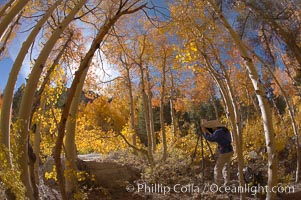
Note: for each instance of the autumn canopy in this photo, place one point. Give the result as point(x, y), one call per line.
point(130, 80)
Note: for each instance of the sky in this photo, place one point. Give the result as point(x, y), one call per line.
point(5, 66)
point(7, 62)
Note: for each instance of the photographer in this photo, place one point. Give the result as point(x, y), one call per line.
point(214, 131)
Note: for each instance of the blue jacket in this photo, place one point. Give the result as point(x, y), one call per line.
point(223, 138)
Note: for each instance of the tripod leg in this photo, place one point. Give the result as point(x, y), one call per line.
point(212, 155)
point(196, 146)
point(203, 163)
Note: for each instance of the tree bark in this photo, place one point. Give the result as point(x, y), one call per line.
point(150, 110)
point(163, 81)
point(9, 17)
point(6, 7)
point(132, 108)
point(37, 142)
point(70, 147)
point(172, 109)
point(146, 117)
point(9, 32)
point(292, 117)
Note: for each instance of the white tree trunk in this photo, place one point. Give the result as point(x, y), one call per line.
point(28, 96)
point(292, 117)
point(5, 8)
point(172, 109)
point(146, 117)
point(37, 142)
point(8, 33)
point(9, 17)
point(150, 110)
point(12, 79)
point(231, 107)
point(70, 147)
point(132, 107)
point(263, 104)
point(163, 81)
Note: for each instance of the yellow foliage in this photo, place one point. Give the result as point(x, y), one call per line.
point(96, 140)
point(99, 125)
point(10, 174)
point(184, 146)
point(52, 174)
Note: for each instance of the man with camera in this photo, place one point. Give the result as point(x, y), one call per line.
point(214, 131)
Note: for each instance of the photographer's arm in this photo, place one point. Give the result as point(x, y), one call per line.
point(212, 137)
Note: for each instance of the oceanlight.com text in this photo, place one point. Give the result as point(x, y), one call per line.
point(213, 188)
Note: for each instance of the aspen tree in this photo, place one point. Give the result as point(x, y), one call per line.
point(162, 97)
point(124, 8)
point(288, 35)
point(291, 115)
point(9, 17)
point(28, 96)
point(231, 107)
point(6, 7)
point(137, 57)
point(129, 85)
point(263, 103)
point(12, 79)
point(172, 106)
point(125, 67)
point(70, 148)
point(10, 32)
point(150, 108)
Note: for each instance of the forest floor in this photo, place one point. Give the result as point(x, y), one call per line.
point(173, 182)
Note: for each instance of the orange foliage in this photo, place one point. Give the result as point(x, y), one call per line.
point(284, 81)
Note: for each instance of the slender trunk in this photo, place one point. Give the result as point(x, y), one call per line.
point(7, 35)
point(247, 107)
point(150, 110)
point(163, 81)
point(70, 165)
point(37, 142)
point(12, 79)
point(171, 102)
point(173, 117)
point(231, 106)
point(48, 75)
point(9, 17)
point(263, 103)
point(236, 123)
point(146, 117)
point(292, 117)
point(29, 92)
point(287, 37)
point(132, 109)
point(212, 97)
point(6, 7)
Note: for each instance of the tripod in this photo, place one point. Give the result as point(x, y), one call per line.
point(201, 136)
